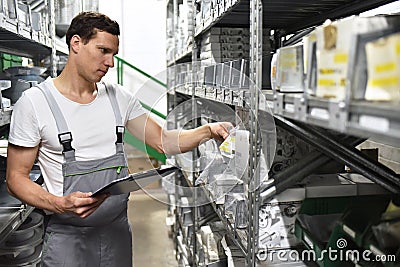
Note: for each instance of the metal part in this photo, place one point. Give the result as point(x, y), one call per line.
point(352, 152)
point(338, 115)
point(300, 108)
point(334, 152)
point(256, 36)
point(299, 171)
point(53, 57)
point(278, 103)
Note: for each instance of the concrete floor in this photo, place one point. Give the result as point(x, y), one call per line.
point(151, 244)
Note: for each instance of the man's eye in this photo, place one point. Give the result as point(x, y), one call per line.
point(103, 50)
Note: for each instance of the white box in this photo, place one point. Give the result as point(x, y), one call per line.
point(290, 69)
point(383, 62)
point(334, 42)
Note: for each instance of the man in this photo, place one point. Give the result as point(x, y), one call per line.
point(73, 124)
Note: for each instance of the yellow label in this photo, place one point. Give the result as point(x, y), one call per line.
point(340, 58)
point(288, 58)
point(385, 67)
point(398, 49)
point(227, 145)
point(327, 71)
point(382, 82)
point(326, 82)
point(288, 64)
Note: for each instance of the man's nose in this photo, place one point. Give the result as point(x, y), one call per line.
point(110, 61)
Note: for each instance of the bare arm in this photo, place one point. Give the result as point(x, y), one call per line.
point(175, 141)
point(19, 163)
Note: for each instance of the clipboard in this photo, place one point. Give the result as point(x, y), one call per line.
point(135, 181)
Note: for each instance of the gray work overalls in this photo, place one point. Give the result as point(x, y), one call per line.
point(103, 238)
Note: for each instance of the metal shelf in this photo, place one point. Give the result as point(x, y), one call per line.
point(234, 14)
point(238, 236)
point(289, 15)
point(380, 121)
point(22, 41)
point(294, 15)
point(376, 120)
point(184, 56)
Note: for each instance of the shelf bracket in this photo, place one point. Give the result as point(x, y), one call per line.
point(338, 115)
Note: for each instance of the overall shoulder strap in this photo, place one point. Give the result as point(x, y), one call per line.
point(64, 135)
point(120, 128)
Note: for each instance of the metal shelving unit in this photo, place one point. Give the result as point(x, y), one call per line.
point(309, 118)
point(21, 39)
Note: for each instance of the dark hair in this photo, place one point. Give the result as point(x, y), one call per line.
point(86, 25)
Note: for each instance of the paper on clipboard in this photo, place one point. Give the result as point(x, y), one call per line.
point(135, 181)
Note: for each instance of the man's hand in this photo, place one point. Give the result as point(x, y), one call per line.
point(220, 130)
point(80, 204)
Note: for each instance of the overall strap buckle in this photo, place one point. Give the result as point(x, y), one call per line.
point(120, 134)
point(66, 140)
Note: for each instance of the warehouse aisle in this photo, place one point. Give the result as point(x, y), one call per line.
point(151, 244)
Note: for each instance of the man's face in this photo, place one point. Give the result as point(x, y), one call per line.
point(97, 56)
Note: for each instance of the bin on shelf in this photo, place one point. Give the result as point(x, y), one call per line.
point(337, 52)
point(319, 227)
point(290, 69)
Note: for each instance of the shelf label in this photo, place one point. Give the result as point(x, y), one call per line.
point(289, 108)
point(320, 113)
point(376, 123)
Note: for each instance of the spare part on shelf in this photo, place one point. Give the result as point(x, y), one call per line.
point(298, 171)
point(5, 103)
point(25, 71)
point(24, 246)
point(21, 78)
point(350, 156)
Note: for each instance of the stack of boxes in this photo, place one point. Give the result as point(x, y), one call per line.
point(170, 35)
point(224, 54)
point(179, 30)
point(184, 27)
point(224, 44)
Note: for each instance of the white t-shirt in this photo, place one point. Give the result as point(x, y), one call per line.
point(92, 126)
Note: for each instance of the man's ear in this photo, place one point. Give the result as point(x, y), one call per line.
point(75, 43)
